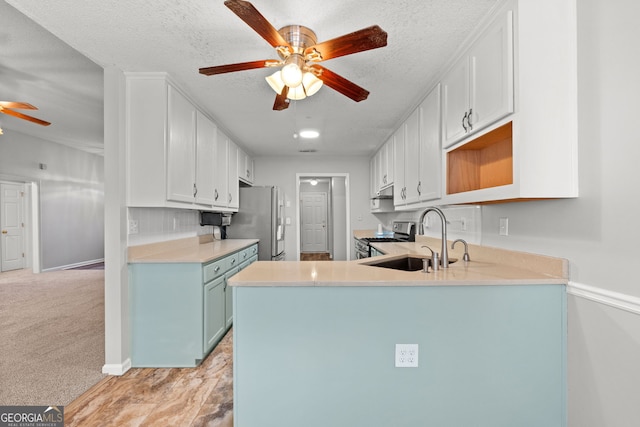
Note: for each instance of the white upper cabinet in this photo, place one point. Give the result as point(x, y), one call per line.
point(173, 150)
point(521, 141)
point(385, 165)
point(245, 167)
point(221, 174)
point(430, 183)
point(181, 149)
point(399, 188)
point(205, 159)
point(410, 174)
point(418, 160)
point(233, 189)
point(478, 90)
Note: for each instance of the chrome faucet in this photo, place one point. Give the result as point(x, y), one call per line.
point(444, 254)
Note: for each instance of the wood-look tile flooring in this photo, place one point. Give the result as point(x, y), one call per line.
point(189, 397)
point(315, 256)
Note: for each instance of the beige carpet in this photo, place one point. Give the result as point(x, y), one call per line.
point(51, 335)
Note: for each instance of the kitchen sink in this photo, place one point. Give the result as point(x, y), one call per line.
point(406, 263)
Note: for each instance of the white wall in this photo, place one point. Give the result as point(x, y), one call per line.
point(71, 196)
point(598, 232)
point(281, 171)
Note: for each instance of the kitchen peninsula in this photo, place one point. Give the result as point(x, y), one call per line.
point(314, 342)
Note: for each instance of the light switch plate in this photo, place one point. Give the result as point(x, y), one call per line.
point(504, 226)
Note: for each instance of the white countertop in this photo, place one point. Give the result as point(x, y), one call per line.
point(191, 250)
point(488, 266)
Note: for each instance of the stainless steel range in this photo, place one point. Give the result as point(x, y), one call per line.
point(403, 231)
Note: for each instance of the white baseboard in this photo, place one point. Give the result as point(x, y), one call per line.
point(117, 368)
point(603, 296)
point(76, 265)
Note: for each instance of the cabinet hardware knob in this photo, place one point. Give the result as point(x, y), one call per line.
point(215, 192)
point(469, 119)
point(195, 190)
point(419, 188)
point(216, 269)
point(463, 122)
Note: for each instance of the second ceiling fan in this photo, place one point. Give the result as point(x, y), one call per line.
point(300, 53)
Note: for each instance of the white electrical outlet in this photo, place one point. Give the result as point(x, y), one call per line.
point(406, 355)
point(133, 226)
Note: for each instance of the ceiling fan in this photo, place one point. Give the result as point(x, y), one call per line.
point(8, 107)
point(297, 46)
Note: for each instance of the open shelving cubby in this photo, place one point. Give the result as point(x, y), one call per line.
point(485, 162)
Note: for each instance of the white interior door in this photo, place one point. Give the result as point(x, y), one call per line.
point(12, 226)
point(314, 222)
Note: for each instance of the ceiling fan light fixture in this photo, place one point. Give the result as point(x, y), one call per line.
point(292, 70)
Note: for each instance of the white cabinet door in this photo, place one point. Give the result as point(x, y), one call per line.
point(399, 188)
point(430, 151)
point(455, 102)
point(491, 60)
point(412, 157)
point(232, 183)
point(205, 159)
point(389, 148)
point(181, 148)
point(220, 191)
point(373, 177)
point(245, 167)
point(478, 90)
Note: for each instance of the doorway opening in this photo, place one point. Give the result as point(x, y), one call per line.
point(322, 204)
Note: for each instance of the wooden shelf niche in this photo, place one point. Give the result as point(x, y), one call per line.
point(485, 162)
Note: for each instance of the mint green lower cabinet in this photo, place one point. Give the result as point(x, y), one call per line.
point(489, 356)
point(228, 298)
point(166, 313)
point(214, 312)
point(180, 311)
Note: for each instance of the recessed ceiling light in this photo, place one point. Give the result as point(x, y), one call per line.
point(309, 134)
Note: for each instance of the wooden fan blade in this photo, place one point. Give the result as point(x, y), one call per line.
point(241, 66)
point(24, 116)
point(368, 38)
point(17, 105)
point(281, 102)
point(340, 84)
point(250, 15)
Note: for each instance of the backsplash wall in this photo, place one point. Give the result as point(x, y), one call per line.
point(162, 224)
point(463, 222)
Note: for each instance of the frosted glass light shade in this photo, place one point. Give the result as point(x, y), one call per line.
point(291, 75)
point(275, 81)
point(296, 93)
point(311, 83)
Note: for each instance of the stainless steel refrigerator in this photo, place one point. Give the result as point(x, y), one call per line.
point(261, 216)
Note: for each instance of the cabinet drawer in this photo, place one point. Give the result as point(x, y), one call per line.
point(231, 261)
point(215, 269)
point(247, 253)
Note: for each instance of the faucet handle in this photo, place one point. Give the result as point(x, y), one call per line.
point(465, 257)
point(435, 259)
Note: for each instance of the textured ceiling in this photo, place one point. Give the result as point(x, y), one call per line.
point(181, 36)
